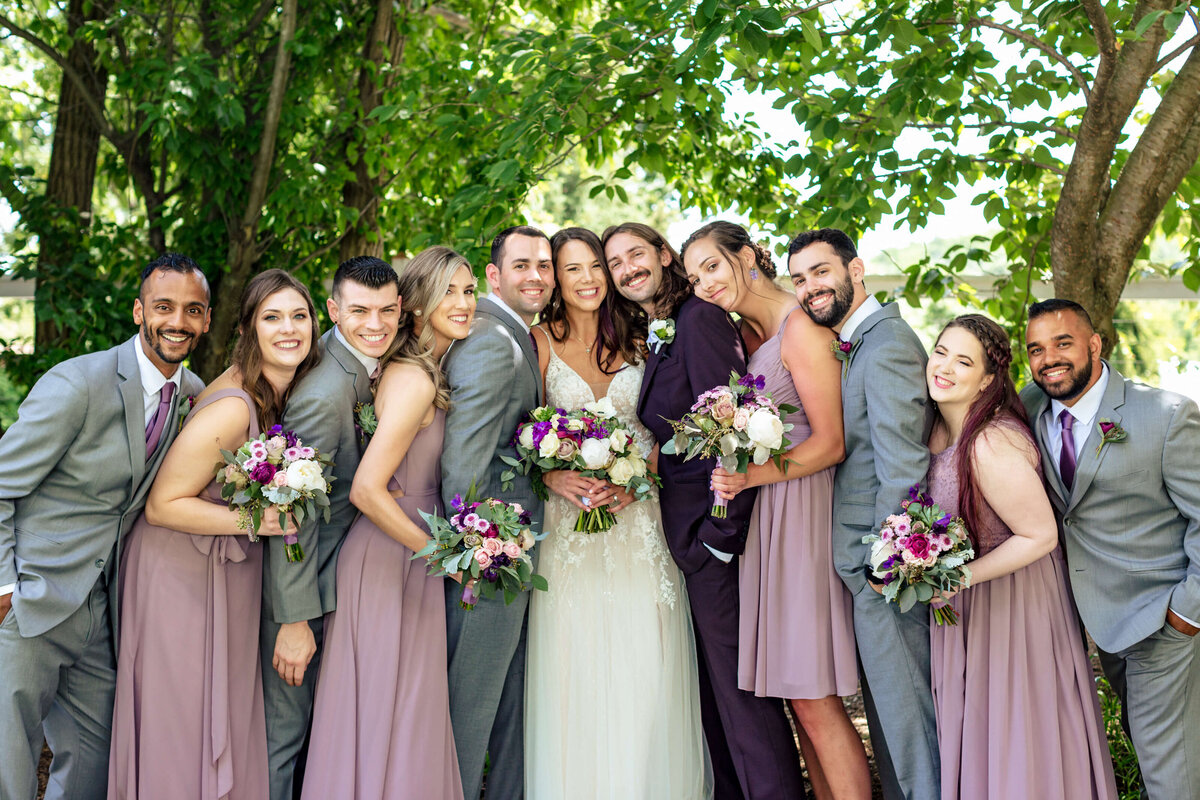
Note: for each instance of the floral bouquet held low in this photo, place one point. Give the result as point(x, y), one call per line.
point(276, 469)
point(488, 541)
point(590, 441)
point(735, 424)
point(921, 553)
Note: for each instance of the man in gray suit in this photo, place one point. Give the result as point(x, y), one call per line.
point(1120, 461)
point(74, 472)
point(494, 380)
point(887, 417)
point(365, 310)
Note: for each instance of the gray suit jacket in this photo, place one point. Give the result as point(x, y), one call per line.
point(887, 415)
point(494, 380)
point(321, 412)
point(1131, 523)
point(73, 478)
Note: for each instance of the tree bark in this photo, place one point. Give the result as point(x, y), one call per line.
point(72, 176)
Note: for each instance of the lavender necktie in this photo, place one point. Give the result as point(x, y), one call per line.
point(154, 427)
point(1066, 455)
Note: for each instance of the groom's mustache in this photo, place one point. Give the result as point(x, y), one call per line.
point(1062, 365)
point(631, 278)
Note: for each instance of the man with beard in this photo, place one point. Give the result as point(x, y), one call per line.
point(1120, 461)
point(887, 417)
point(494, 382)
point(749, 741)
point(74, 472)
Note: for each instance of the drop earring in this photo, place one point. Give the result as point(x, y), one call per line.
point(754, 273)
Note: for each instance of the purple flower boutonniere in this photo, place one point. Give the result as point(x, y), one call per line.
point(844, 352)
point(1110, 433)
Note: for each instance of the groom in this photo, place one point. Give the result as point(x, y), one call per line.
point(887, 417)
point(1119, 458)
point(494, 381)
point(749, 741)
point(364, 307)
point(75, 469)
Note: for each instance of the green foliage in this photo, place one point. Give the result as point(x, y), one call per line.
point(1125, 763)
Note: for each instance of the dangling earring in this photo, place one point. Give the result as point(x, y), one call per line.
point(754, 273)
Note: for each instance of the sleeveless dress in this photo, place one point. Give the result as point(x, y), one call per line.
point(796, 629)
point(188, 720)
point(381, 717)
point(612, 708)
point(1016, 704)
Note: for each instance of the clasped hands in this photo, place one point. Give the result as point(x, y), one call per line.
point(586, 493)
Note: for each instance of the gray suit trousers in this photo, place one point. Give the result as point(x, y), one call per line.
point(289, 710)
point(477, 641)
point(1158, 681)
point(893, 651)
point(61, 683)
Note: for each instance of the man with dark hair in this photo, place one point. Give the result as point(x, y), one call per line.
point(494, 381)
point(365, 310)
point(886, 417)
point(748, 737)
point(1119, 458)
point(75, 469)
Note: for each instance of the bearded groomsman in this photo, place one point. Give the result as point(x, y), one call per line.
point(494, 381)
point(365, 309)
point(887, 416)
point(1120, 460)
point(74, 472)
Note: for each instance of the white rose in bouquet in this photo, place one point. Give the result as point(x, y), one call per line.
point(575, 425)
point(619, 439)
point(621, 472)
point(305, 476)
point(765, 429)
point(880, 551)
point(596, 453)
point(548, 447)
point(638, 463)
point(526, 437)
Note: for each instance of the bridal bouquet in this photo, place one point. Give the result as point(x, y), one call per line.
point(920, 553)
point(590, 441)
point(276, 469)
point(735, 424)
point(488, 541)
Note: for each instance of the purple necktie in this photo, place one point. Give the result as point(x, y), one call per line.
point(533, 343)
point(1066, 456)
point(375, 373)
point(154, 427)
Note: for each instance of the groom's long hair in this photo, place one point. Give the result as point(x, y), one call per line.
point(675, 286)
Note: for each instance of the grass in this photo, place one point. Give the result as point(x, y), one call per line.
point(1125, 763)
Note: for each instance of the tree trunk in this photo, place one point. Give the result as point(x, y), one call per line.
point(72, 176)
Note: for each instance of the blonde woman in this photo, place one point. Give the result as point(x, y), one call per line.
point(381, 720)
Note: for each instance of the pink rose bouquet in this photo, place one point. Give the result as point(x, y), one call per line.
point(735, 424)
point(276, 469)
point(489, 541)
point(590, 441)
point(919, 553)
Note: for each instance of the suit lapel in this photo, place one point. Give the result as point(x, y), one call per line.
point(353, 367)
point(1049, 468)
point(652, 362)
point(135, 409)
point(1089, 461)
point(488, 307)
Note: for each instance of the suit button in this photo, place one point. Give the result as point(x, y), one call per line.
point(1067, 522)
point(99, 563)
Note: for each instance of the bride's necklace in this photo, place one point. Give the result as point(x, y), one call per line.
point(587, 348)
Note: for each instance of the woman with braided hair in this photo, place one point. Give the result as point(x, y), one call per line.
point(1016, 705)
point(796, 630)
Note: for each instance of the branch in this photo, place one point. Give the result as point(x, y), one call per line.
point(1033, 41)
point(1106, 37)
point(801, 11)
point(1178, 51)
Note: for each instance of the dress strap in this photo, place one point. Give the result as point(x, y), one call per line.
point(786, 318)
point(221, 394)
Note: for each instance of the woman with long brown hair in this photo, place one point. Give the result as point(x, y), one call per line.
point(189, 718)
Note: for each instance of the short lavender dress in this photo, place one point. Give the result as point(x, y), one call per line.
point(1016, 704)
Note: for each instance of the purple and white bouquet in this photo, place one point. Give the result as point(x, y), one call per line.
point(590, 441)
point(919, 553)
point(275, 469)
point(735, 424)
point(488, 541)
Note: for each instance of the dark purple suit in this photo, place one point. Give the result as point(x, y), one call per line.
point(749, 739)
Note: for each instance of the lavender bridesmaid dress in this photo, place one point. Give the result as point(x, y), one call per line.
point(381, 720)
point(796, 631)
point(188, 720)
point(1016, 704)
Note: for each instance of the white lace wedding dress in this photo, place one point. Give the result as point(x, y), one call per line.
point(612, 708)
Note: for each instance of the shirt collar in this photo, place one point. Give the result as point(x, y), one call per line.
point(1088, 406)
point(869, 307)
point(153, 380)
point(367, 362)
point(495, 296)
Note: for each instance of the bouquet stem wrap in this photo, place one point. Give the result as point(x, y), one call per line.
point(720, 507)
point(595, 520)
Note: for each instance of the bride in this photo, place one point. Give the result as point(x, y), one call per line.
point(612, 708)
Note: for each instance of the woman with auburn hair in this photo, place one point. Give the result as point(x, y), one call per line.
point(1017, 712)
point(189, 718)
point(381, 717)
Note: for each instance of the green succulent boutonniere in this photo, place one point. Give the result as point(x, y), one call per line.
point(185, 408)
point(844, 352)
point(1110, 433)
point(365, 421)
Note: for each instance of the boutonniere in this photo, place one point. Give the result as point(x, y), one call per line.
point(844, 352)
point(185, 408)
point(1110, 433)
point(365, 421)
point(662, 331)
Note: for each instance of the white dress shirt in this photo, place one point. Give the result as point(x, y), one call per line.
point(498, 300)
point(365, 360)
point(1084, 411)
point(869, 307)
